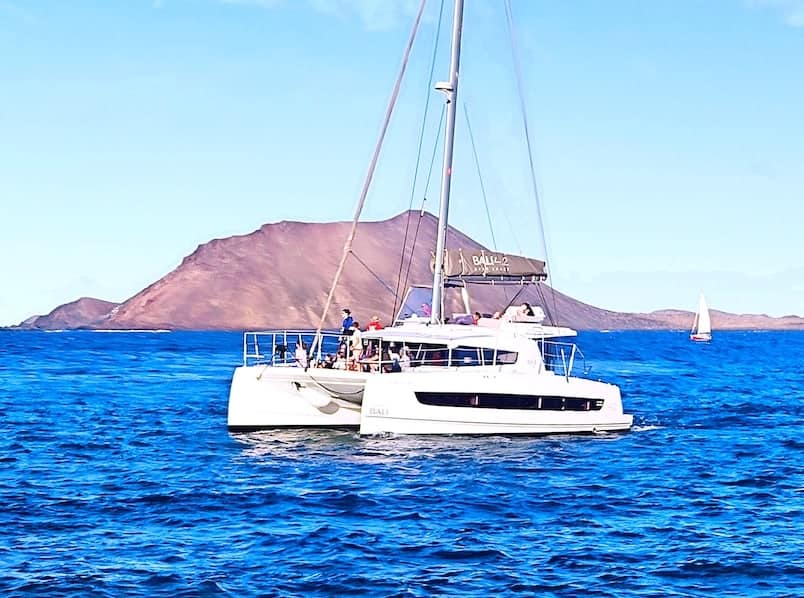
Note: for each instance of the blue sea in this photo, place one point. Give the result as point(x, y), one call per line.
point(118, 478)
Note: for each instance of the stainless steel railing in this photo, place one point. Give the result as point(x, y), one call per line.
point(560, 358)
point(278, 348)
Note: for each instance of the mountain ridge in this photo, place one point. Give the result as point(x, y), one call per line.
point(278, 276)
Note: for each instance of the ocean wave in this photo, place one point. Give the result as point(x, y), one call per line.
point(118, 477)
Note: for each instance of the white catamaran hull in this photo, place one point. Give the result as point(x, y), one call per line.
point(466, 403)
point(264, 397)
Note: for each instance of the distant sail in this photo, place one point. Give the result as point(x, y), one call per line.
point(702, 325)
point(704, 322)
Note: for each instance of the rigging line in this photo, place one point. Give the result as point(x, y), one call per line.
point(424, 198)
point(511, 301)
point(435, 151)
point(374, 274)
point(512, 232)
point(523, 110)
point(347, 246)
point(483, 192)
point(540, 291)
point(479, 175)
point(418, 155)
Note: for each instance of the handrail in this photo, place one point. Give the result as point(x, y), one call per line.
point(284, 343)
point(278, 348)
point(560, 357)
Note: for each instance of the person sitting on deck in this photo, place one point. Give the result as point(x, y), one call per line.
point(526, 310)
point(436, 358)
point(466, 319)
point(370, 357)
point(339, 363)
point(404, 359)
point(393, 358)
point(375, 324)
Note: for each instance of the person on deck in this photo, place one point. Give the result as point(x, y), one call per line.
point(339, 363)
point(526, 309)
point(346, 324)
point(355, 346)
point(375, 324)
point(301, 355)
point(404, 359)
point(370, 357)
point(393, 358)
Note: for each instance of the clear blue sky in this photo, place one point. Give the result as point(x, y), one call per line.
point(668, 137)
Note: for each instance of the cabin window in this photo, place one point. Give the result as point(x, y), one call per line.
point(506, 357)
point(470, 356)
point(508, 401)
point(428, 354)
point(553, 403)
point(466, 356)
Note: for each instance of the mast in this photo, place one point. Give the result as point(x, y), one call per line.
point(450, 89)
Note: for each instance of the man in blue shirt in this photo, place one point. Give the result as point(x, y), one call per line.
point(348, 320)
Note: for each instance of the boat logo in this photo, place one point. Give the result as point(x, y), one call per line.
point(491, 262)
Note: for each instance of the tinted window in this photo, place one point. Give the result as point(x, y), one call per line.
point(507, 401)
point(428, 354)
point(464, 356)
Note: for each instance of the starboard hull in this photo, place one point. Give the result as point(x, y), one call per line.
point(462, 403)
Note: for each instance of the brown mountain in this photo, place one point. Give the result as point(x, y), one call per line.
point(86, 312)
point(279, 276)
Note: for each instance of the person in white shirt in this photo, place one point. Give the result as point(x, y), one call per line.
point(340, 360)
point(404, 359)
point(356, 340)
point(301, 355)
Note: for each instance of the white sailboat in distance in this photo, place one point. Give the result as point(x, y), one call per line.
point(702, 325)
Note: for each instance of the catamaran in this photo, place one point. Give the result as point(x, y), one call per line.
point(511, 374)
point(702, 324)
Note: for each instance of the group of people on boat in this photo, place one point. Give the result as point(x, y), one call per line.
point(350, 326)
point(355, 353)
point(371, 355)
point(523, 310)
